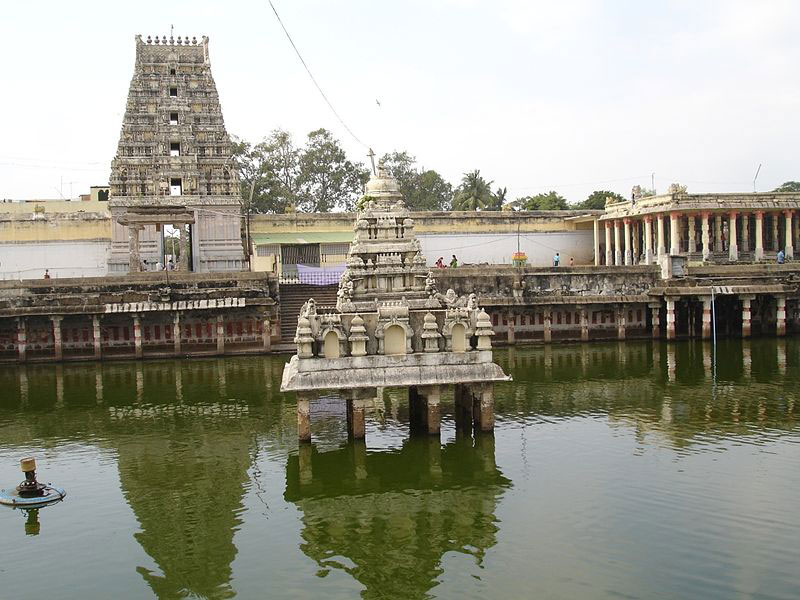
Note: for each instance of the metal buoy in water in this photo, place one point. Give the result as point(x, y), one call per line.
point(30, 493)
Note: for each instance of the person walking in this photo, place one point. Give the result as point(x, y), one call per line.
point(47, 273)
point(440, 263)
point(454, 262)
point(556, 259)
point(781, 257)
point(571, 261)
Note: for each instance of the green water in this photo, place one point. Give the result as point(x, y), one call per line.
point(615, 471)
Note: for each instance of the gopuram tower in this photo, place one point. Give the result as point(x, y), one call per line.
point(173, 165)
point(391, 327)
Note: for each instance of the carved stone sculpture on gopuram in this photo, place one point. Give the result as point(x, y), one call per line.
point(392, 327)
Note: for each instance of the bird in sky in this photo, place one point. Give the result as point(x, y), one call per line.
point(377, 102)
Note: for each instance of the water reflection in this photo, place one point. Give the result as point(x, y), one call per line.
point(387, 518)
point(186, 437)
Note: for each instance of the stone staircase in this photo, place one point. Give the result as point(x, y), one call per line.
point(292, 298)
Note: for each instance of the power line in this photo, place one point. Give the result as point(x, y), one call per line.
point(324, 97)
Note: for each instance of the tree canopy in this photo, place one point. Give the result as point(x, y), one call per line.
point(548, 201)
point(597, 200)
point(475, 193)
point(422, 189)
point(317, 177)
point(788, 186)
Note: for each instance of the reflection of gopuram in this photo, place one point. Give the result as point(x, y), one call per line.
point(391, 327)
point(393, 515)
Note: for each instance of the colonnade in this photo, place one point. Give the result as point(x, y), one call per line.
point(174, 333)
point(736, 235)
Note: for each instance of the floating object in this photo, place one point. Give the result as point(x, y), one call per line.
point(30, 493)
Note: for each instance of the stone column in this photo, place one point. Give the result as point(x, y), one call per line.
point(706, 235)
point(22, 339)
point(746, 317)
point(674, 233)
point(463, 408)
point(184, 242)
point(176, 332)
point(648, 240)
point(134, 262)
point(692, 238)
point(57, 341)
point(789, 244)
point(655, 309)
point(596, 230)
point(609, 251)
point(620, 318)
point(304, 417)
point(510, 328)
point(137, 335)
point(548, 318)
point(627, 245)
point(718, 233)
point(759, 251)
point(745, 232)
point(482, 406)
point(670, 319)
point(775, 231)
point(617, 244)
point(780, 315)
point(356, 426)
point(661, 249)
point(220, 334)
point(97, 337)
point(637, 252)
point(584, 324)
point(266, 333)
point(733, 249)
point(706, 317)
point(424, 408)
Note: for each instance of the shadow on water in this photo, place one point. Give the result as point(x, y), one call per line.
point(187, 436)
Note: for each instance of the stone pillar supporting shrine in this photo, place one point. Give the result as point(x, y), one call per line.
point(22, 339)
point(609, 249)
point(392, 327)
point(655, 310)
point(648, 240)
point(733, 248)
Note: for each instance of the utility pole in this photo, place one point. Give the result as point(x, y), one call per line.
point(371, 155)
point(247, 222)
point(758, 170)
point(653, 183)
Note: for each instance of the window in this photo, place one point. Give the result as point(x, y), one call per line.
point(173, 92)
point(173, 118)
point(175, 149)
point(172, 71)
point(175, 186)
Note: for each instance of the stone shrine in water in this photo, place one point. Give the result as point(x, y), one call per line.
point(391, 327)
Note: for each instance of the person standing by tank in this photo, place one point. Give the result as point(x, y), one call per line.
point(453, 262)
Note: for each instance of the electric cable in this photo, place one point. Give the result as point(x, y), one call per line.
point(313, 79)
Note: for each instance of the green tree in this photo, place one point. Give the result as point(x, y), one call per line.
point(270, 168)
point(474, 193)
point(548, 201)
point(326, 179)
point(788, 186)
point(597, 200)
point(422, 189)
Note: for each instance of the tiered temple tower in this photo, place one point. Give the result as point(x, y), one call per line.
point(173, 164)
point(391, 327)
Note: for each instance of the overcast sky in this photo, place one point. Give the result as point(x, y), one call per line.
point(567, 95)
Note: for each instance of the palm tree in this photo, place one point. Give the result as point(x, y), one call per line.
point(474, 193)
